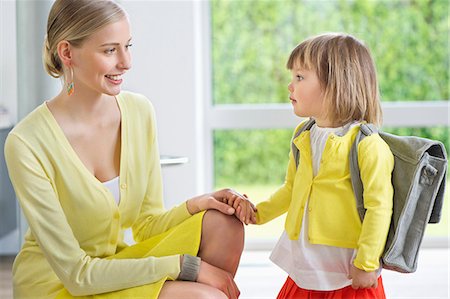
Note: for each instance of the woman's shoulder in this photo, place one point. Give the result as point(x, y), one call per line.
point(31, 123)
point(135, 101)
point(137, 110)
point(30, 132)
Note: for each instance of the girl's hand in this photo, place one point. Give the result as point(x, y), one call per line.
point(219, 279)
point(245, 209)
point(362, 279)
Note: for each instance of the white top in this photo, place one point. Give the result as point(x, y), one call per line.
point(314, 266)
point(113, 187)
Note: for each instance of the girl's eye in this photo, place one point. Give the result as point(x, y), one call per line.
point(110, 51)
point(300, 77)
point(128, 46)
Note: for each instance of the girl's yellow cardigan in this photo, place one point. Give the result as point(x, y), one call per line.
point(333, 217)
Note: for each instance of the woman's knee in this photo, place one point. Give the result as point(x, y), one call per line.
point(221, 228)
point(222, 241)
point(188, 290)
point(223, 223)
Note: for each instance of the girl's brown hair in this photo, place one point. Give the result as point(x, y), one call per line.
point(347, 75)
point(74, 21)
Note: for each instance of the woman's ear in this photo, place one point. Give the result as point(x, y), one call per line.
point(64, 49)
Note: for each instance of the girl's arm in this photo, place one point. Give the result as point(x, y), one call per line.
point(278, 203)
point(376, 163)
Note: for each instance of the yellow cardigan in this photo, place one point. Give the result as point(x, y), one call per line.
point(73, 219)
point(333, 217)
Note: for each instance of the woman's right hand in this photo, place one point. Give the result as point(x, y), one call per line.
point(219, 279)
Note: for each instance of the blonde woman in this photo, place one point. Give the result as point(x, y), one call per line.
point(85, 167)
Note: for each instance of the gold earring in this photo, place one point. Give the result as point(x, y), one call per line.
point(69, 85)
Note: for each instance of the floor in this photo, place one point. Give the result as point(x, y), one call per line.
point(258, 278)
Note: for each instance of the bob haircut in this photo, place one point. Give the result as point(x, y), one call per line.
point(347, 76)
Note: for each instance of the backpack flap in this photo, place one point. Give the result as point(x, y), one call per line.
point(419, 173)
point(418, 178)
point(411, 150)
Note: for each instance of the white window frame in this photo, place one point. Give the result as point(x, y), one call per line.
point(281, 116)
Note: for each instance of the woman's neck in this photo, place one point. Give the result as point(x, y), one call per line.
point(82, 106)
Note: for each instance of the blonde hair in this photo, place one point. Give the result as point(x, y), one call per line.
point(347, 75)
point(74, 21)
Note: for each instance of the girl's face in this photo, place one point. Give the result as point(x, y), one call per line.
point(102, 60)
point(306, 95)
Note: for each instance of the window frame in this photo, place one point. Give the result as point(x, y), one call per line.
point(281, 116)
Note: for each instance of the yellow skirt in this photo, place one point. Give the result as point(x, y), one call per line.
point(181, 239)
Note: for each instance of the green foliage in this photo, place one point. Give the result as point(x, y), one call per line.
point(251, 42)
point(251, 156)
point(260, 157)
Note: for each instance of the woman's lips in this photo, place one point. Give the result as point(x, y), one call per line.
point(114, 79)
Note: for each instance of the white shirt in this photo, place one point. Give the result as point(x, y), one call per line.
point(113, 187)
point(315, 266)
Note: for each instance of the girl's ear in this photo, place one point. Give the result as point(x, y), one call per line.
point(65, 52)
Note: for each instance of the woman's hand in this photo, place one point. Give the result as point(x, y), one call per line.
point(226, 201)
point(219, 279)
point(362, 279)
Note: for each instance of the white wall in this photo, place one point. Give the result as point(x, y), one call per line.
point(9, 243)
point(164, 70)
point(8, 66)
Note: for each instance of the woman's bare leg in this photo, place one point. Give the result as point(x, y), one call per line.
point(189, 290)
point(221, 245)
point(222, 241)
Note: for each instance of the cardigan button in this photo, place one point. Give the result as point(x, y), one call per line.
point(123, 186)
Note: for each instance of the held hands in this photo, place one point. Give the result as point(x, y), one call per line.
point(226, 201)
point(245, 209)
point(362, 279)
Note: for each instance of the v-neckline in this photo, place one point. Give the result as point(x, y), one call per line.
point(71, 151)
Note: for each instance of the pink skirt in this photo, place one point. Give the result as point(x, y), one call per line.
point(291, 291)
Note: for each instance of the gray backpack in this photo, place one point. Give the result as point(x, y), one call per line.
point(418, 178)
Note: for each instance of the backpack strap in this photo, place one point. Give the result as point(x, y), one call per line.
point(295, 151)
point(364, 131)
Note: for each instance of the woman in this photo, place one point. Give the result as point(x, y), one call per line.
point(85, 167)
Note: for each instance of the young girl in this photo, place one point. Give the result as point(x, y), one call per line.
point(325, 249)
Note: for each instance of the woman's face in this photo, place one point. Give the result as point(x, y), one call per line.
point(102, 60)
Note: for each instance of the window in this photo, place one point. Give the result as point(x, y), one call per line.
point(250, 120)
point(251, 41)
